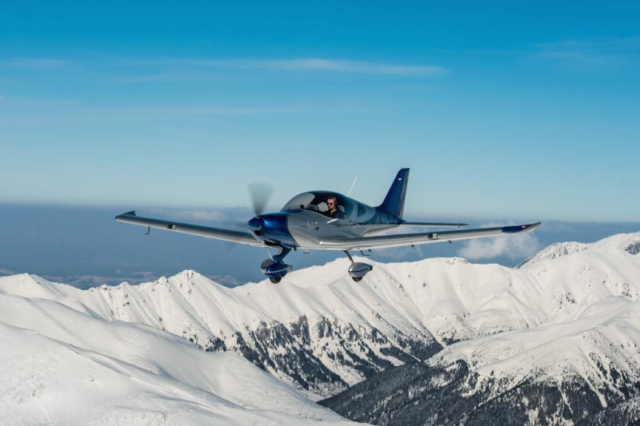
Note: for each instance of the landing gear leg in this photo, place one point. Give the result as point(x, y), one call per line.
point(281, 254)
point(349, 256)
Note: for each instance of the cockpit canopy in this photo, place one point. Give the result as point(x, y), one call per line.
point(317, 201)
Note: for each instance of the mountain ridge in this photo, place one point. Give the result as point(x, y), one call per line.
point(323, 334)
point(579, 366)
point(62, 366)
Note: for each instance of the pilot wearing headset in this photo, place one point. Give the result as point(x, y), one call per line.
point(334, 212)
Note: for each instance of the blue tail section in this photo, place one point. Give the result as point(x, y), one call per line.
point(394, 201)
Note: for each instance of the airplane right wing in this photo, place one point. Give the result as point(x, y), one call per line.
point(185, 228)
point(398, 240)
point(434, 224)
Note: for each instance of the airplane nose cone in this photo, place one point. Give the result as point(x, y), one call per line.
point(256, 224)
point(272, 228)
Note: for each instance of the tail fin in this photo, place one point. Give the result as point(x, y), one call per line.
point(394, 201)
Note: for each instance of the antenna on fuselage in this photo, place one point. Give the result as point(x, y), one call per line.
point(352, 185)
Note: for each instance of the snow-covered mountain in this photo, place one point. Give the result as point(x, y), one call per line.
point(582, 357)
point(562, 328)
point(625, 242)
point(65, 365)
point(555, 374)
point(319, 337)
point(321, 332)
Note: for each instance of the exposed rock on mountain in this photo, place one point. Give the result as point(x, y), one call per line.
point(580, 365)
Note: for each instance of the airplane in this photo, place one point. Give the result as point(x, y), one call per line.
point(307, 223)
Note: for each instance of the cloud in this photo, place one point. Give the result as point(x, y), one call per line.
point(35, 63)
point(515, 247)
point(600, 54)
point(317, 64)
point(33, 103)
point(130, 70)
point(584, 55)
point(295, 64)
point(168, 76)
point(78, 114)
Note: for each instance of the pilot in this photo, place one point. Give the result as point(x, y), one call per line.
point(333, 211)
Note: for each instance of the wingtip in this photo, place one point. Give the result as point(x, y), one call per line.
point(131, 213)
point(520, 228)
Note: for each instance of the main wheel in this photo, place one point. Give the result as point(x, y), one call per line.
point(275, 280)
point(357, 279)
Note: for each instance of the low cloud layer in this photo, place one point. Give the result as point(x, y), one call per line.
point(514, 247)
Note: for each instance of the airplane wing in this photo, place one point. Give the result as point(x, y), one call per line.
point(184, 228)
point(399, 240)
point(434, 224)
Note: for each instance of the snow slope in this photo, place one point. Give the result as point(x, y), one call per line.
point(629, 243)
point(555, 374)
point(576, 359)
point(60, 363)
point(321, 332)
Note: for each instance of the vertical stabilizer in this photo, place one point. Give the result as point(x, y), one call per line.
point(394, 201)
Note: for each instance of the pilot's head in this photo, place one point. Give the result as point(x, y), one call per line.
point(332, 203)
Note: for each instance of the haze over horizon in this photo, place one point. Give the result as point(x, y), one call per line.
point(85, 246)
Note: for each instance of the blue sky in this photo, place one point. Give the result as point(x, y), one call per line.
point(505, 112)
point(502, 110)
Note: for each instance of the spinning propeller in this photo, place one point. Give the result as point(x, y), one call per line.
point(260, 193)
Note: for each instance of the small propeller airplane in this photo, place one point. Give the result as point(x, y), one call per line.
point(324, 220)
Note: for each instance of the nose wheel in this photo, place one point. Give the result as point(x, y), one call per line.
point(274, 268)
point(358, 270)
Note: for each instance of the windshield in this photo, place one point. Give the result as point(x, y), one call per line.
point(300, 201)
point(317, 201)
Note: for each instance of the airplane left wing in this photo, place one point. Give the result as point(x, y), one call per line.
point(185, 228)
point(398, 240)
